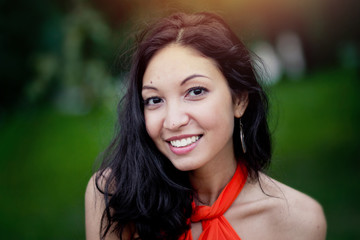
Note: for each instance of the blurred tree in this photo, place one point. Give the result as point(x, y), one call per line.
point(63, 50)
point(22, 24)
point(54, 51)
point(83, 71)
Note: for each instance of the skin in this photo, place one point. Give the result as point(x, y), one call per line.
point(190, 97)
point(186, 95)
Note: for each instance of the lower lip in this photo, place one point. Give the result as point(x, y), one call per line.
point(183, 150)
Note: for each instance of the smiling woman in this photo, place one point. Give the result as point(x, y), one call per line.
point(193, 143)
point(181, 120)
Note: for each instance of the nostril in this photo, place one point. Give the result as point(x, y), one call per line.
point(175, 117)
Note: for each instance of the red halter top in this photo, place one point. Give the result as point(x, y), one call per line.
point(214, 224)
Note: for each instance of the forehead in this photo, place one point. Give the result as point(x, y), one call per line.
point(177, 61)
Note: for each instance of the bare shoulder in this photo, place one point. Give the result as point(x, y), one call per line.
point(268, 209)
point(301, 217)
point(94, 207)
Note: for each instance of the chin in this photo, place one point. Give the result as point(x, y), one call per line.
point(185, 166)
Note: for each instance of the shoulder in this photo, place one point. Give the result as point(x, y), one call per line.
point(95, 206)
point(280, 211)
point(304, 217)
point(94, 198)
point(296, 215)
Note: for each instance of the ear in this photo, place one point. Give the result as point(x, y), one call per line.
point(240, 104)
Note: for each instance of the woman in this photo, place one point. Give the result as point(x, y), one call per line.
point(193, 142)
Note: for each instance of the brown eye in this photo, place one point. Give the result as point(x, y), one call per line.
point(196, 91)
point(152, 101)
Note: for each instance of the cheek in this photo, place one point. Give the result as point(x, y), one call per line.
point(218, 113)
point(152, 124)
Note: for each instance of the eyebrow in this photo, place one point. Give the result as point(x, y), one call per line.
point(182, 82)
point(191, 77)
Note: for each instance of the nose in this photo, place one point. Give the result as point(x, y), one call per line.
point(176, 117)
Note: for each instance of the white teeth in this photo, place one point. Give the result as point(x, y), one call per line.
point(184, 142)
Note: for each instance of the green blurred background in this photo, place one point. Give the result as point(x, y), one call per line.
point(60, 81)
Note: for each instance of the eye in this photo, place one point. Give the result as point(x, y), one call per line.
point(152, 101)
point(196, 91)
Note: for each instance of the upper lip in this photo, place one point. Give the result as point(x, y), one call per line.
point(181, 137)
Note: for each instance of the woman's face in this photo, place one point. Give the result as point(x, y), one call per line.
point(189, 111)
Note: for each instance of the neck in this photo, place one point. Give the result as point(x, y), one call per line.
point(210, 180)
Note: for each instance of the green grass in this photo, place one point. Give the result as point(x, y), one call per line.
point(46, 158)
point(316, 147)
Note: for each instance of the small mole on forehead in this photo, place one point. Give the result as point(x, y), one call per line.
point(150, 82)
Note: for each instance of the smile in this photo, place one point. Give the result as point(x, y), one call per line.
point(184, 142)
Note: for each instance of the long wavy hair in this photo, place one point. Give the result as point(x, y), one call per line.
point(144, 193)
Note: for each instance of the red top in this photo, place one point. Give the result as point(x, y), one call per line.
point(214, 224)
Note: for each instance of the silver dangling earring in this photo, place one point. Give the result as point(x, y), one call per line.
point(242, 137)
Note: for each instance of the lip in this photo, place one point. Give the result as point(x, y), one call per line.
point(181, 137)
point(183, 150)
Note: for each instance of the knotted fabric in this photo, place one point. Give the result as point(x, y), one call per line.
point(214, 224)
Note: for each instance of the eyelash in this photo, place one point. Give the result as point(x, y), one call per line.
point(202, 89)
point(147, 101)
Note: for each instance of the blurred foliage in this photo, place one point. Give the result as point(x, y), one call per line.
point(22, 27)
point(315, 124)
point(61, 65)
point(48, 54)
point(61, 51)
point(45, 163)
